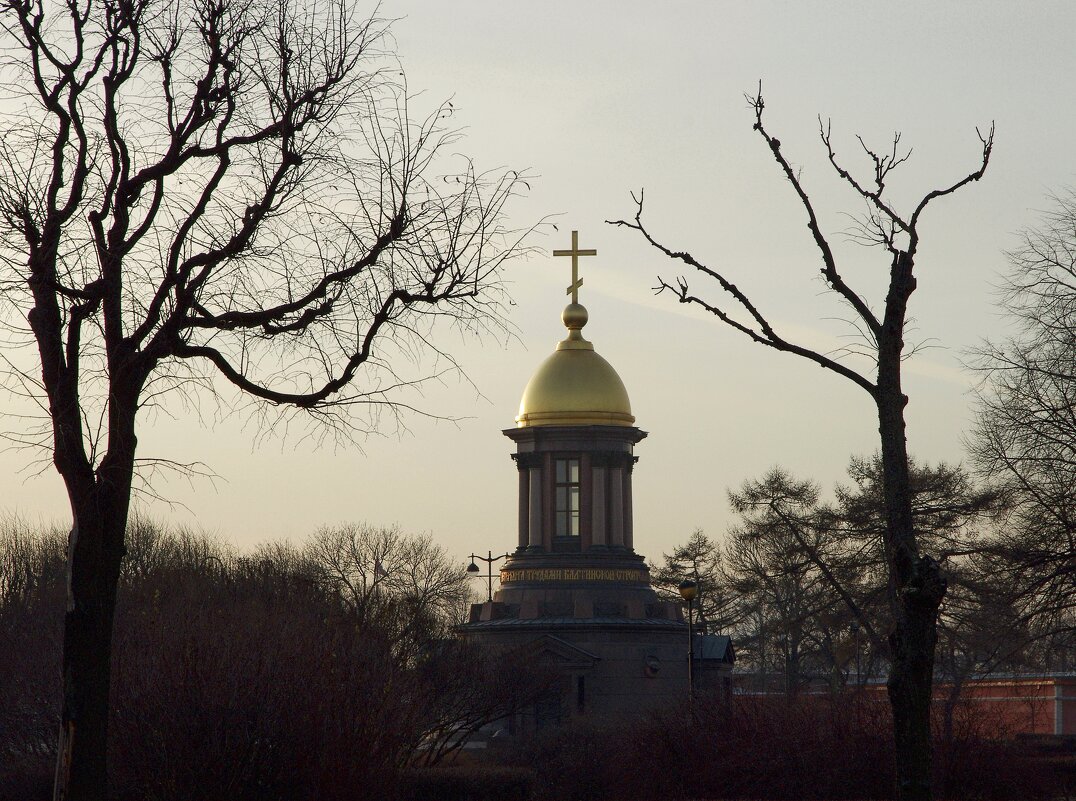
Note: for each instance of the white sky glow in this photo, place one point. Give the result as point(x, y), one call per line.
point(599, 99)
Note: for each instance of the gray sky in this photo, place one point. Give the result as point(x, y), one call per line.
point(598, 99)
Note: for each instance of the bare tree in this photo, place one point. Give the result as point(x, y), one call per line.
point(917, 582)
point(377, 571)
point(1025, 434)
point(205, 195)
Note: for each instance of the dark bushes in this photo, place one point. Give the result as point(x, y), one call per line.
point(767, 747)
point(31, 632)
point(468, 782)
point(239, 677)
point(257, 678)
point(250, 687)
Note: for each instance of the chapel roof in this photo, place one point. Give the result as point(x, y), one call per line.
point(575, 386)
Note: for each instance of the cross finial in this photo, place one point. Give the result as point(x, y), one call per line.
point(575, 253)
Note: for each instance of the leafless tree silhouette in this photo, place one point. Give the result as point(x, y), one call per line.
point(197, 196)
point(918, 584)
point(1025, 434)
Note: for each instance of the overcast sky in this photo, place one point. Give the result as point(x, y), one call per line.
point(599, 99)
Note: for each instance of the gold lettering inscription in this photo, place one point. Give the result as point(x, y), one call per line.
point(573, 574)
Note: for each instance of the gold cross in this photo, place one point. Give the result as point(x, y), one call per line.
point(575, 253)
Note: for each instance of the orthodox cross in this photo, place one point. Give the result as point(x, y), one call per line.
point(575, 253)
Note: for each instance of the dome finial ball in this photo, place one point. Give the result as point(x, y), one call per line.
point(574, 316)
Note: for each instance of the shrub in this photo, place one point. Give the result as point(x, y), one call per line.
point(769, 747)
point(469, 782)
point(234, 677)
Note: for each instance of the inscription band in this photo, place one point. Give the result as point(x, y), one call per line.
point(573, 574)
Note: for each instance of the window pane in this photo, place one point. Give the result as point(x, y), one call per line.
point(567, 497)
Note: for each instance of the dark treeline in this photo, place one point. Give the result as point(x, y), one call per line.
point(313, 672)
point(800, 582)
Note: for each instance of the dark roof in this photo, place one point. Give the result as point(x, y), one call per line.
point(714, 646)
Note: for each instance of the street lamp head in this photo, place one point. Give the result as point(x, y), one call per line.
point(689, 590)
point(472, 568)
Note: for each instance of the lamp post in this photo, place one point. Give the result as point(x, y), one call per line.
point(489, 559)
point(689, 590)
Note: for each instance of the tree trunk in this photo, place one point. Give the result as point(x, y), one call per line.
point(916, 585)
point(81, 771)
point(913, 637)
point(95, 553)
point(952, 697)
point(792, 670)
point(910, 690)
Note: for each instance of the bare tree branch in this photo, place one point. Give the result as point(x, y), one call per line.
point(762, 332)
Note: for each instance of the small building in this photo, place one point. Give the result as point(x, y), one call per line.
point(574, 590)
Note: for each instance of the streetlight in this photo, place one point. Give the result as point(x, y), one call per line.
point(689, 590)
point(489, 560)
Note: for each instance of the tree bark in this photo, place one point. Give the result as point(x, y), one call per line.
point(916, 584)
point(910, 690)
point(81, 771)
point(95, 554)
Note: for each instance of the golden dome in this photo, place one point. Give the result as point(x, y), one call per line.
point(575, 386)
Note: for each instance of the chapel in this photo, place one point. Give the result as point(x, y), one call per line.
point(575, 591)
